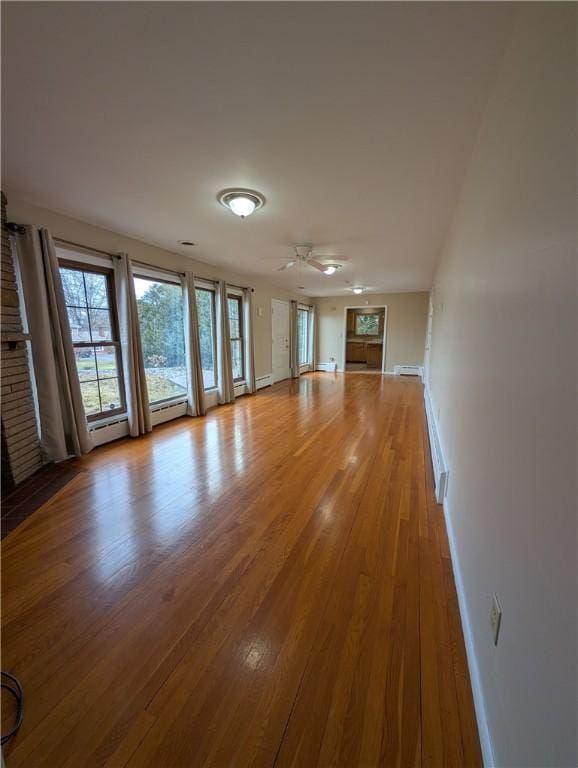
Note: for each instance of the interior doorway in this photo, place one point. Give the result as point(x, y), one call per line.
point(280, 339)
point(364, 339)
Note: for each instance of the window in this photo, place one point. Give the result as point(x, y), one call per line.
point(160, 314)
point(367, 325)
point(235, 306)
point(88, 293)
point(302, 335)
point(206, 317)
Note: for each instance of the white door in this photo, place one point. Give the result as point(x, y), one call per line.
point(280, 327)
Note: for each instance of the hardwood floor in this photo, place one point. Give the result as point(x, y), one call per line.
point(268, 586)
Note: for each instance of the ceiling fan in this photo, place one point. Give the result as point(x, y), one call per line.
point(304, 255)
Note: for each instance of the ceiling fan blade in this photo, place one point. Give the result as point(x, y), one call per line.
point(316, 264)
point(287, 266)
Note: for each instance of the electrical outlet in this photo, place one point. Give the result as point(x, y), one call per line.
point(495, 618)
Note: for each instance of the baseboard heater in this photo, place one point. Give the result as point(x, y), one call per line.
point(408, 370)
point(331, 367)
point(264, 381)
point(439, 466)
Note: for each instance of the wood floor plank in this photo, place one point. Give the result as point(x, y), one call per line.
point(267, 586)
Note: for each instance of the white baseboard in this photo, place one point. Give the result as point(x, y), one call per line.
point(439, 465)
point(330, 367)
point(264, 381)
point(479, 702)
point(408, 370)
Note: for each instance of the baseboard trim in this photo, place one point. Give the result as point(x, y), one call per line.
point(479, 702)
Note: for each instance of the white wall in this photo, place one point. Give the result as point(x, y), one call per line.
point(503, 381)
point(406, 326)
point(96, 237)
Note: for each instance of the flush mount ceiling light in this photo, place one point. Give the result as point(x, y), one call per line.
point(357, 290)
point(330, 269)
point(242, 202)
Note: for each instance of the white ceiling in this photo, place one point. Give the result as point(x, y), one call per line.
point(355, 120)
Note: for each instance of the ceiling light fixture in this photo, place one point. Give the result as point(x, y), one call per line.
point(330, 269)
point(357, 290)
point(241, 202)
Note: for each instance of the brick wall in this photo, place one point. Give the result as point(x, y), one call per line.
point(20, 446)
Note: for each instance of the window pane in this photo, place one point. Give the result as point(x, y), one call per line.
point(78, 321)
point(100, 325)
point(73, 286)
point(96, 290)
point(302, 335)
point(106, 363)
point(90, 398)
point(85, 363)
point(160, 311)
point(109, 395)
point(205, 305)
point(367, 325)
point(237, 354)
point(234, 318)
point(98, 367)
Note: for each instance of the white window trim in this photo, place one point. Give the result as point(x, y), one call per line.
point(82, 256)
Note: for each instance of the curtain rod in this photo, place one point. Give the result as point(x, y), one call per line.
point(86, 247)
point(160, 269)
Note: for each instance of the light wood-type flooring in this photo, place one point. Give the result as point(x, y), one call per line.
point(268, 586)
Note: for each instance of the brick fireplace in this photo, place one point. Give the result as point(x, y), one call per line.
point(20, 445)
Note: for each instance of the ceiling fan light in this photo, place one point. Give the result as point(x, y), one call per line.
point(241, 202)
point(330, 269)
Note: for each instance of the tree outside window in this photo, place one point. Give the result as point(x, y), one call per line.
point(160, 313)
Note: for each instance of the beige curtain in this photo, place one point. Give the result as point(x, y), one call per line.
point(249, 340)
point(195, 385)
point(137, 399)
point(294, 339)
point(226, 385)
point(312, 351)
point(63, 427)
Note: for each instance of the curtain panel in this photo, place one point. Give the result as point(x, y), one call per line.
point(226, 384)
point(249, 340)
point(195, 384)
point(63, 427)
point(137, 399)
point(294, 339)
point(312, 336)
